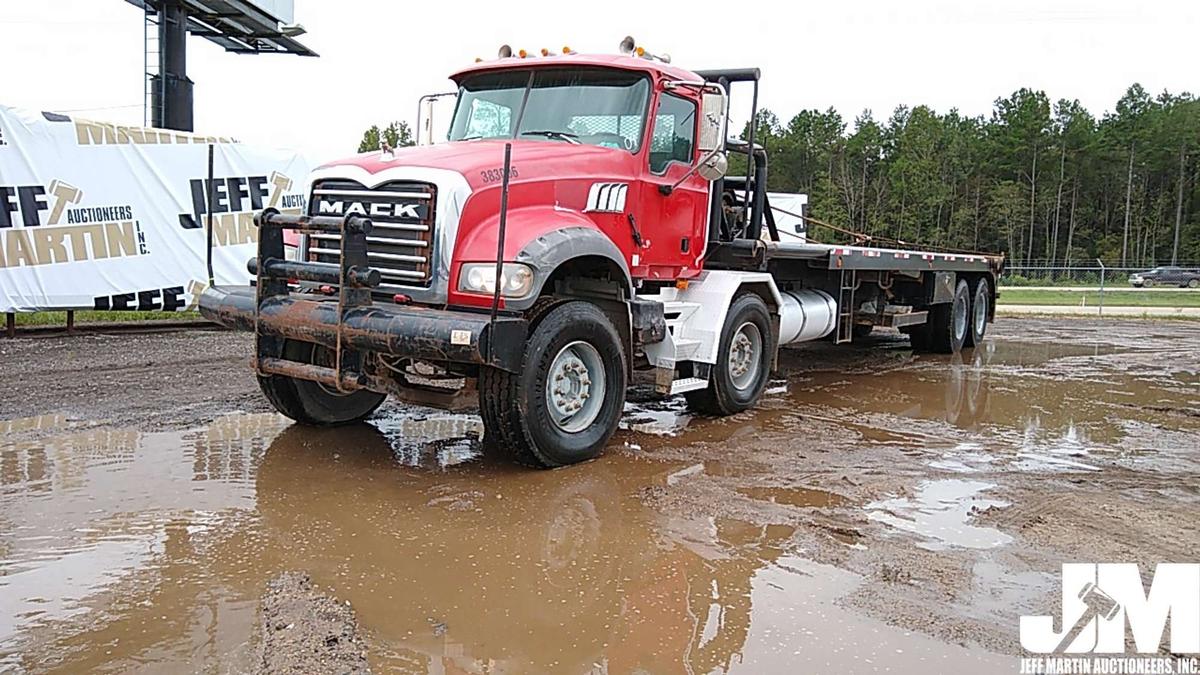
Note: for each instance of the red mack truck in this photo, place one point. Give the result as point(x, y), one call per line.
point(580, 226)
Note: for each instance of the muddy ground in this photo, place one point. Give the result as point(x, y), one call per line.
point(879, 510)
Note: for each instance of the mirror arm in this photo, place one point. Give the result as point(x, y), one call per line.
point(666, 190)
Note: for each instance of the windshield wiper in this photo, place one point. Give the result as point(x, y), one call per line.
point(561, 135)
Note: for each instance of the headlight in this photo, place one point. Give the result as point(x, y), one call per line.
point(516, 280)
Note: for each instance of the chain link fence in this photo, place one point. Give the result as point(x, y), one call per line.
point(1076, 275)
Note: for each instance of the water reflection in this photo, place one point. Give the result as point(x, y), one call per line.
point(941, 512)
point(93, 519)
point(138, 548)
point(431, 438)
point(509, 570)
point(152, 549)
point(1056, 405)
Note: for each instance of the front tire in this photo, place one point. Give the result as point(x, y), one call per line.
point(564, 405)
point(1193, 283)
point(743, 362)
point(312, 403)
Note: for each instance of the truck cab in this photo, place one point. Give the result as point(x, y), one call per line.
point(595, 141)
point(576, 229)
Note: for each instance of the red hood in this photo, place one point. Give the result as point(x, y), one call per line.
point(478, 161)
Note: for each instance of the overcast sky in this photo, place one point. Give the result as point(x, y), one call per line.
point(379, 56)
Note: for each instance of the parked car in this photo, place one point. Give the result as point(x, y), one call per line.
point(1166, 276)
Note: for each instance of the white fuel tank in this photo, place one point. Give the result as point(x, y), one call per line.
point(806, 314)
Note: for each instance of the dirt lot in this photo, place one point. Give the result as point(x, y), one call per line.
point(879, 510)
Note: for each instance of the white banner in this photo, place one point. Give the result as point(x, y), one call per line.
point(99, 216)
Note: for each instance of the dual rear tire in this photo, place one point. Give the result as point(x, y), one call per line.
point(960, 323)
point(981, 301)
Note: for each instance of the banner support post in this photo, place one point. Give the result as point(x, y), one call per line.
point(209, 209)
point(10, 325)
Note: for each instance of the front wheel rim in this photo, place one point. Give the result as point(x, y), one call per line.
point(575, 387)
point(980, 311)
point(745, 351)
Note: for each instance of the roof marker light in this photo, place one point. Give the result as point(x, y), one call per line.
point(504, 52)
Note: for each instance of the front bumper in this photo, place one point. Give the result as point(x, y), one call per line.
point(420, 333)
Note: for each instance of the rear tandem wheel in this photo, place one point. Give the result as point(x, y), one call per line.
point(948, 325)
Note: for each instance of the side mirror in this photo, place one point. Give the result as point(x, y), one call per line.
point(712, 120)
point(714, 166)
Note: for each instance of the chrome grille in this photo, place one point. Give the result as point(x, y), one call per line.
point(401, 243)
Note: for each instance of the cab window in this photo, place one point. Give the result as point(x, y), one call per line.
point(589, 106)
point(488, 119)
point(674, 136)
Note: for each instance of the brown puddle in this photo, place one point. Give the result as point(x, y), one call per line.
point(1035, 406)
point(126, 550)
point(794, 496)
point(1047, 406)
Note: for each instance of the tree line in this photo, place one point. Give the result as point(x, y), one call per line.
point(395, 135)
point(1045, 183)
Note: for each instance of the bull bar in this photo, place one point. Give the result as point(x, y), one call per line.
point(352, 324)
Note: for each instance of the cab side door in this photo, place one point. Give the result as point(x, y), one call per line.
point(671, 221)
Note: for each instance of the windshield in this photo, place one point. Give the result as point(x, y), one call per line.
point(593, 106)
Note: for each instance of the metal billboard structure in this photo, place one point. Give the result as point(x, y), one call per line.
point(238, 26)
